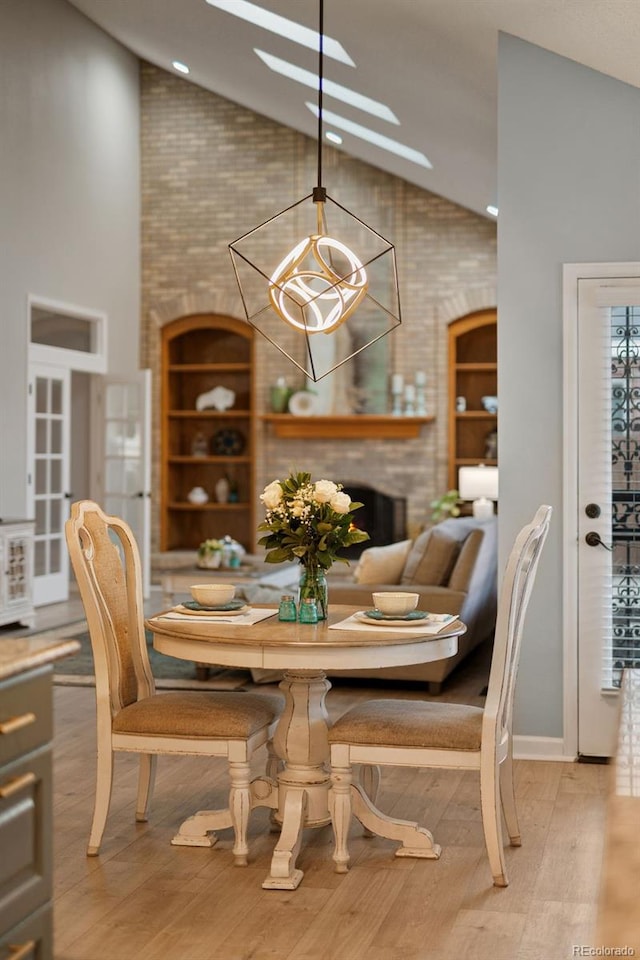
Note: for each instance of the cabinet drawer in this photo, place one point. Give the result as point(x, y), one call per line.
point(31, 939)
point(25, 713)
point(25, 836)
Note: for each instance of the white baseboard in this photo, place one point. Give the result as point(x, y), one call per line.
point(540, 748)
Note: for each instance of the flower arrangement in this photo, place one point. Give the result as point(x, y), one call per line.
point(308, 521)
point(210, 553)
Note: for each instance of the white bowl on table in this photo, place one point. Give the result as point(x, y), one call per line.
point(396, 604)
point(213, 594)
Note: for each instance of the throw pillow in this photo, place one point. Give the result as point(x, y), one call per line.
point(431, 559)
point(382, 564)
point(465, 564)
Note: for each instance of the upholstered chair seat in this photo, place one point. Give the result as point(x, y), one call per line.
point(411, 723)
point(201, 715)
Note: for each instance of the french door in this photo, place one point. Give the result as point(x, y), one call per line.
point(123, 456)
point(607, 502)
point(48, 401)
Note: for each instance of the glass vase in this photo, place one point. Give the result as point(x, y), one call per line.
point(313, 585)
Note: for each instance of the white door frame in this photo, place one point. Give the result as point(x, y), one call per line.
point(572, 273)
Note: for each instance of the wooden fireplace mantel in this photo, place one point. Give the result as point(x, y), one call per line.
point(355, 427)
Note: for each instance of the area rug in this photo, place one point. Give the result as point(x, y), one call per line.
point(169, 672)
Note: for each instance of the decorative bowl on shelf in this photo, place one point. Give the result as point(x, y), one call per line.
point(304, 403)
point(198, 495)
point(228, 443)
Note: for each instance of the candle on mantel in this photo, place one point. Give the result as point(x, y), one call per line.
point(397, 383)
point(421, 388)
point(409, 400)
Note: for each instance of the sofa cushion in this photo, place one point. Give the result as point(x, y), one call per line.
point(382, 564)
point(431, 558)
point(465, 564)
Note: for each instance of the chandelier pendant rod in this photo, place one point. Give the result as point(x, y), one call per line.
point(319, 192)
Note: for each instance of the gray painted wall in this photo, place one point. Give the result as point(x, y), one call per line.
point(569, 191)
point(69, 196)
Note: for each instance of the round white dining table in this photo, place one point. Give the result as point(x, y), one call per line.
point(304, 652)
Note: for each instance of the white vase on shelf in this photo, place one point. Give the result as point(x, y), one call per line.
point(222, 489)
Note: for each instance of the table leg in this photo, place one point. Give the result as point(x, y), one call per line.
point(301, 741)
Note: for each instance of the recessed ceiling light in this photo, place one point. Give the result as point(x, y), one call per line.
point(492, 210)
point(288, 29)
point(329, 88)
point(180, 67)
point(364, 133)
point(333, 137)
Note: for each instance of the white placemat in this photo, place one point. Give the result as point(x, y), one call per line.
point(245, 619)
point(426, 628)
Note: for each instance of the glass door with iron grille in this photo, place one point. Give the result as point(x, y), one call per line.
point(608, 503)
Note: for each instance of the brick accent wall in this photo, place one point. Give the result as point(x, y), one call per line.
point(212, 170)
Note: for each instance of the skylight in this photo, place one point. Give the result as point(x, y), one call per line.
point(288, 29)
point(364, 133)
point(331, 89)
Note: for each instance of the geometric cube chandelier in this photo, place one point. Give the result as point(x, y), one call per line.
point(320, 300)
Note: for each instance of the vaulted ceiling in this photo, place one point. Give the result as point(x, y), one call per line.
point(433, 63)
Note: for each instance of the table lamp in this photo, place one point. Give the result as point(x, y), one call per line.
point(479, 484)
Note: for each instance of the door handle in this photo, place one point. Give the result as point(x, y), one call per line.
point(141, 494)
point(592, 539)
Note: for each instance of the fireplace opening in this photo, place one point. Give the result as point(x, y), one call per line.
point(383, 517)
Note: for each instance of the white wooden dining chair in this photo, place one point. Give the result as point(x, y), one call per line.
point(446, 735)
point(131, 716)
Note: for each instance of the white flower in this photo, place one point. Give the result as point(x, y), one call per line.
point(340, 502)
point(272, 495)
point(324, 490)
point(298, 508)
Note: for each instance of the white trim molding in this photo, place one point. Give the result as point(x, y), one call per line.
point(90, 362)
point(541, 748)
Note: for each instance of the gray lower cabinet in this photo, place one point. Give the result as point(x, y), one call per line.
point(16, 572)
point(26, 865)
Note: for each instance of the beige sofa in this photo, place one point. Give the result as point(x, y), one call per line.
point(453, 566)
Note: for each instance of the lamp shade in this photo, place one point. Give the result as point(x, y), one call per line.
point(478, 482)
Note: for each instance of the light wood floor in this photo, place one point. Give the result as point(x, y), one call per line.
point(143, 899)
